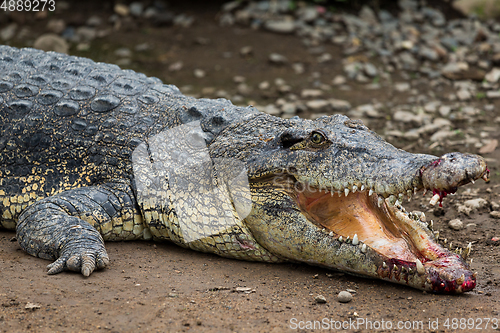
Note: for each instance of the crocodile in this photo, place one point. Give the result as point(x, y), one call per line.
point(91, 153)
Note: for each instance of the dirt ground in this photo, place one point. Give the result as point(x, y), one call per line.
point(160, 287)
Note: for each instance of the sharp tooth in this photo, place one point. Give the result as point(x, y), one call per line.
point(340, 239)
point(461, 279)
point(415, 190)
point(363, 248)
point(346, 191)
point(339, 193)
point(401, 197)
point(420, 267)
point(331, 193)
point(460, 251)
point(436, 234)
point(451, 245)
point(323, 229)
point(467, 251)
point(370, 193)
point(355, 240)
point(422, 217)
point(445, 240)
point(392, 199)
point(384, 265)
point(395, 268)
point(475, 274)
point(362, 188)
point(432, 224)
point(485, 177)
point(425, 191)
point(331, 233)
point(354, 188)
point(347, 239)
point(410, 271)
point(472, 181)
point(408, 194)
point(435, 198)
point(403, 269)
point(380, 201)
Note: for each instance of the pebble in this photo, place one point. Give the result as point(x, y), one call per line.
point(298, 68)
point(311, 93)
point(402, 86)
point(246, 51)
point(493, 94)
point(8, 32)
point(277, 59)
point(456, 224)
point(51, 42)
point(493, 76)
point(121, 9)
point(339, 80)
point(317, 105)
point(136, 8)
point(339, 105)
point(199, 73)
point(320, 299)
point(370, 70)
point(495, 214)
point(464, 95)
point(56, 26)
point(344, 297)
point(176, 66)
point(282, 27)
point(123, 52)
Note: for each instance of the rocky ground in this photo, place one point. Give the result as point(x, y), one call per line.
point(426, 78)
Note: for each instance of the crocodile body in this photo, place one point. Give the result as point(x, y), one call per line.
point(90, 152)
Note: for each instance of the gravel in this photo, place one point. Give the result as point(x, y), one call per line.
point(344, 297)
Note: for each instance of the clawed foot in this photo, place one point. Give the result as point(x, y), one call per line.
point(85, 262)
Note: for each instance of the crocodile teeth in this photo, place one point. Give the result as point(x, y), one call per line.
point(355, 240)
point(395, 268)
point(461, 279)
point(370, 193)
point(331, 233)
point(472, 181)
point(415, 190)
point(422, 217)
point(363, 248)
point(436, 234)
point(354, 188)
point(474, 275)
point(392, 199)
point(485, 177)
point(380, 201)
point(340, 239)
point(346, 191)
point(435, 198)
point(347, 239)
point(451, 245)
point(403, 269)
point(362, 188)
point(420, 267)
point(384, 265)
point(425, 191)
point(467, 251)
point(410, 271)
point(408, 194)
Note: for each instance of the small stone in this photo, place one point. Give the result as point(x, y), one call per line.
point(456, 224)
point(317, 105)
point(320, 299)
point(8, 32)
point(136, 8)
point(311, 93)
point(339, 80)
point(444, 110)
point(493, 76)
point(344, 297)
point(282, 27)
point(199, 73)
point(370, 70)
point(264, 85)
point(56, 26)
point(85, 34)
point(298, 68)
point(325, 57)
point(495, 214)
point(246, 51)
point(464, 95)
point(51, 42)
point(402, 86)
point(123, 52)
point(94, 21)
point(121, 9)
point(176, 66)
point(32, 306)
point(493, 94)
point(277, 59)
point(441, 135)
point(431, 107)
point(339, 105)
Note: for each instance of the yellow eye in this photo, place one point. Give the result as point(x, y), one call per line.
point(317, 138)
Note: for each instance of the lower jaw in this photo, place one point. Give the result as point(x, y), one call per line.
point(443, 272)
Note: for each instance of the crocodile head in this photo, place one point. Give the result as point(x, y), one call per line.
point(329, 192)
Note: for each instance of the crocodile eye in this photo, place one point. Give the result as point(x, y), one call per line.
point(317, 138)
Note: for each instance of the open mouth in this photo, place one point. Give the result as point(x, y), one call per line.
point(407, 250)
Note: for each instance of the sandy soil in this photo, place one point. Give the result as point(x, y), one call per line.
point(161, 287)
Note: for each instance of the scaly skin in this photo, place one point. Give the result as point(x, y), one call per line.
point(89, 153)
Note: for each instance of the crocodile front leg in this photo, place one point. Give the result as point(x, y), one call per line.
point(71, 227)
